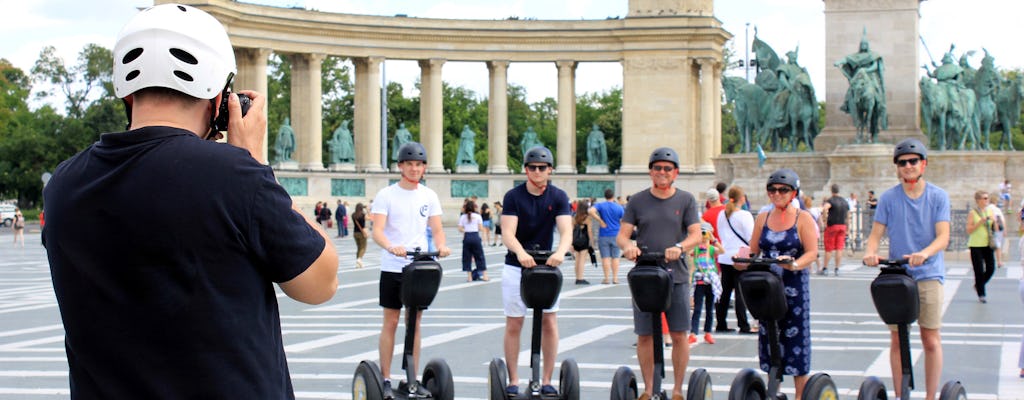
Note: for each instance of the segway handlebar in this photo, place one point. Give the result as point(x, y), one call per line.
point(419, 255)
point(540, 256)
point(898, 262)
point(760, 262)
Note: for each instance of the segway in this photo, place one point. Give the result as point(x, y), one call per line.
point(894, 293)
point(539, 286)
point(368, 382)
point(765, 297)
point(650, 285)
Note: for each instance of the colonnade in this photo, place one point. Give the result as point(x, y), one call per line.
point(670, 50)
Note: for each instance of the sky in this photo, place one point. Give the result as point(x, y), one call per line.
point(69, 25)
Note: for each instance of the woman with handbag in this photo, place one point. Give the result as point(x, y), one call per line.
point(981, 242)
point(735, 227)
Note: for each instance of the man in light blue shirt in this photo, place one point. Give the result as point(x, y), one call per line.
point(608, 213)
point(915, 216)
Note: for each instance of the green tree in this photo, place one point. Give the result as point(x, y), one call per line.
point(77, 83)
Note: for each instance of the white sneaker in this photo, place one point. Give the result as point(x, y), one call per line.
point(359, 263)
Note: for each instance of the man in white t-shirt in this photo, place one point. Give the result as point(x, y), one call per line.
point(400, 214)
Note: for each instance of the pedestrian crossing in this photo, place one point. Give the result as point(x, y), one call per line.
point(465, 326)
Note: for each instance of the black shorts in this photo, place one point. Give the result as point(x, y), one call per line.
point(391, 290)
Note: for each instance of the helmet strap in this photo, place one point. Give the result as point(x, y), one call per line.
point(542, 188)
point(127, 112)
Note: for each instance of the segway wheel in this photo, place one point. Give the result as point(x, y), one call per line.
point(368, 383)
point(820, 387)
point(437, 379)
point(872, 389)
point(748, 385)
point(699, 387)
point(624, 385)
point(953, 390)
point(497, 379)
point(569, 380)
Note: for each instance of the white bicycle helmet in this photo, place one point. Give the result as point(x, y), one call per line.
point(173, 46)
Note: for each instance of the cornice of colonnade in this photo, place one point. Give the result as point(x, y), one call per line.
point(288, 30)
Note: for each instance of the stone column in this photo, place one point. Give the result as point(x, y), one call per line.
point(706, 106)
point(431, 113)
point(307, 110)
point(690, 143)
point(497, 118)
point(566, 145)
point(252, 75)
point(656, 108)
point(717, 101)
point(367, 114)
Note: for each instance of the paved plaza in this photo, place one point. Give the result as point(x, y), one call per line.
point(465, 326)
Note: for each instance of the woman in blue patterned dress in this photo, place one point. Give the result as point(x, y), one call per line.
point(787, 232)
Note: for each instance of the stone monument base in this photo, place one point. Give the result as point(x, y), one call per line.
point(597, 169)
point(290, 165)
point(342, 167)
point(467, 169)
point(831, 138)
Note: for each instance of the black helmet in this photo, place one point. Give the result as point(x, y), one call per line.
point(910, 146)
point(412, 151)
point(785, 176)
point(539, 154)
point(664, 154)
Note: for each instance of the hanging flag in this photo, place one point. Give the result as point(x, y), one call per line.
point(761, 157)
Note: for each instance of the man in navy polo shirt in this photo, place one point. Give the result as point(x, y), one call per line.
point(532, 212)
point(164, 248)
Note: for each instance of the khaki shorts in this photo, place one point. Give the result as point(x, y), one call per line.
point(931, 296)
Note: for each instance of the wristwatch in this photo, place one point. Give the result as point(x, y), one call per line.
point(679, 245)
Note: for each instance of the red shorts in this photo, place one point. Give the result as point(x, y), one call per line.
point(835, 237)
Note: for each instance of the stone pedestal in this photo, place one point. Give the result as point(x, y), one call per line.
point(858, 168)
point(833, 136)
point(290, 165)
point(467, 169)
point(342, 167)
point(597, 169)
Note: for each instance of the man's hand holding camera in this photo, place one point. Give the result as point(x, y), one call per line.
point(248, 132)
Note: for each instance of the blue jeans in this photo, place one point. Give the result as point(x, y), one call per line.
point(702, 292)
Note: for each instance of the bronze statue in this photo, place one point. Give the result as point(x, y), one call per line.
point(529, 140)
point(950, 106)
point(865, 98)
point(341, 145)
point(1008, 100)
point(402, 136)
point(467, 144)
point(285, 144)
point(985, 83)
point(597, 150)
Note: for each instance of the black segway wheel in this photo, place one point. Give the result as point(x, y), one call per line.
point(953, 390)
point(497, 380)
point(368, 383)
point(569, 380)
point(820, 387)
point(748, 385)
point(872, 389)
point(437, 379)
point(699, 387)
point(624, 385)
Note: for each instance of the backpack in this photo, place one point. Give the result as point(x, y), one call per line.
point(580, 237)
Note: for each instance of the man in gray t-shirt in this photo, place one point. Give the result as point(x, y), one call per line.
point(666, 221)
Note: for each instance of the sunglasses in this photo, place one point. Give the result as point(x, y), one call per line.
point(983, 198)
point(660, 168)
point(540, 168)
point(911, 161)
point(779, 189)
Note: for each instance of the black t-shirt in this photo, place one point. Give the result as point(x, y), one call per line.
point(838, 211)
point(163, 251)
point(536, 215)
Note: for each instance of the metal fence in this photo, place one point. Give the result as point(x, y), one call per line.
point(861, 220)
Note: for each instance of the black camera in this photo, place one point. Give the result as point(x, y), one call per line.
point(221, 123)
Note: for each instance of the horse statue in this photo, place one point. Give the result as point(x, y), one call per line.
point(867, 107)
point(1008, 100)
point(802, 110)
point(985, 83)
point(934, 108)
point(963, 116)
point(749, 107)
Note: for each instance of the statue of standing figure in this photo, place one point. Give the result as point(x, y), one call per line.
point(529, 140)
point(402, 136)
point(341, 145)
point(285, 144)
point(467, 145)
point(865, 98)
point(597, 149)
